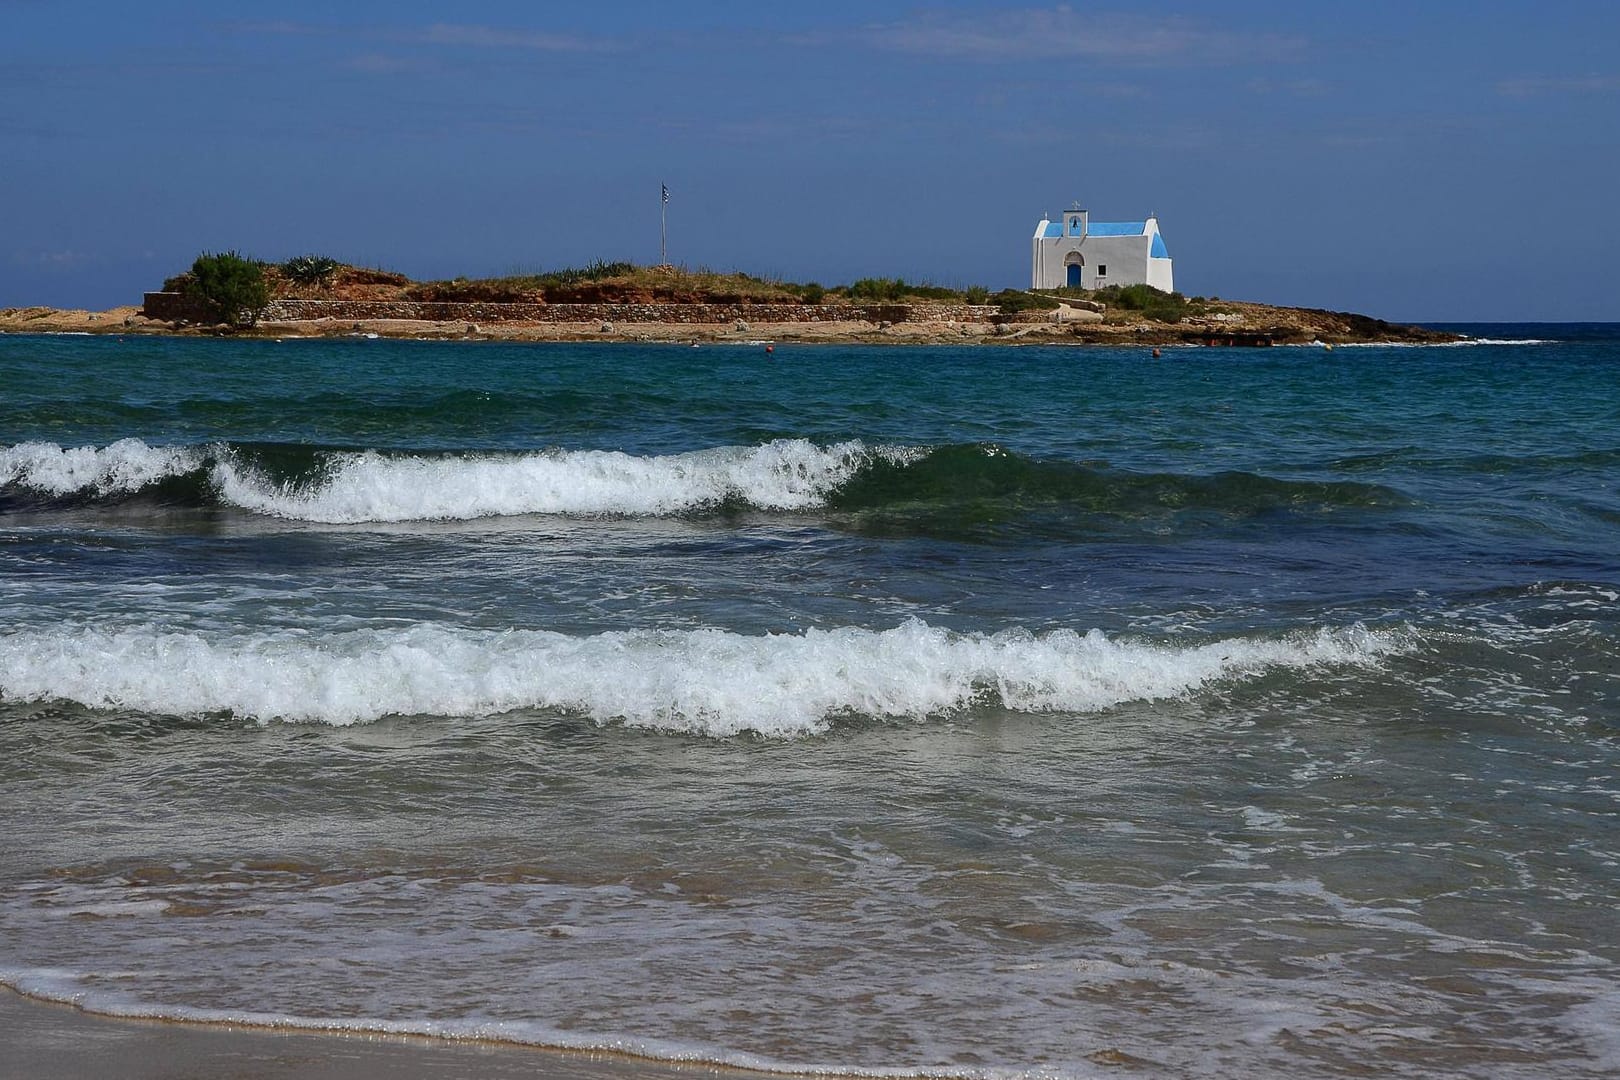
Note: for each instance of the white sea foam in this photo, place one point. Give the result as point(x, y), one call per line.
point(126, 465)
point(1465, 343)
point(709, 682)
point(70, 988)
point(786, 474)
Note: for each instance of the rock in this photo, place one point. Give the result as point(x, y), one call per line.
point(607, 328)
point(1068, 314)
point(742, 327)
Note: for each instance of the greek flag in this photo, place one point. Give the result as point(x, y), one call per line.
point(665, 189)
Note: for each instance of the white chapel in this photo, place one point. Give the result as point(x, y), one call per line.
point(1077, 252)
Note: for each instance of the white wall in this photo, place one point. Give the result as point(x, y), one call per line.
point(1126, 258)
point(1160, 275)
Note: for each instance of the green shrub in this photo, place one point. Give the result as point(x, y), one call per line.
point(592, 271)
point(927, 291)
point(812, 293)
point(877, 289)
point(310, 269)
point(977, 294)
point(231, 287)
point(1012, 301)
point(1153, 303)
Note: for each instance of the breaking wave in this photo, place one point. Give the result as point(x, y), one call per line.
point(347, 487)
point(707, 681)
point(124, 467)
point(952, 488)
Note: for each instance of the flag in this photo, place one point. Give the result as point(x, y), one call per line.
point(665, 189)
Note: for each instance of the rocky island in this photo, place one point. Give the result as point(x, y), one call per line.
point(315, 296)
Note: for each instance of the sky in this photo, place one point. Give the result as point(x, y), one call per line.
point(1420, 161)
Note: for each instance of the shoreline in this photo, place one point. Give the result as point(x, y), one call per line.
point(55, 1040)
point(1254, 325)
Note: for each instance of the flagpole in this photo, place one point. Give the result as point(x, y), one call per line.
point(663, 225)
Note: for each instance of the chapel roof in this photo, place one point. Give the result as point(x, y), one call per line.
point(1054, 229)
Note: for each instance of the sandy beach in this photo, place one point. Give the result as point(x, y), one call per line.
point(50, 1041)
point(921, 711)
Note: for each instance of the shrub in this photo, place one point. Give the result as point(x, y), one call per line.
point(977, 294)
point(895, 289)
point(812, 293)
point(592, 271)
point(231, 287)
point(877, 289)
point(1012, 301)
point(1154, 303)
point(310, 269)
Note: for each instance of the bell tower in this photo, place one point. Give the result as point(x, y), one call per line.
point(1076, 222)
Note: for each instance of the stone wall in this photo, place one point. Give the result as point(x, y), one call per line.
point(433, 311)
point(177, 307)
point(174, 307)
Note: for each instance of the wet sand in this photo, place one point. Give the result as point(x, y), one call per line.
point(47, 1041)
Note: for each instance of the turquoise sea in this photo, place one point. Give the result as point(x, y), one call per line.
point(979, 711)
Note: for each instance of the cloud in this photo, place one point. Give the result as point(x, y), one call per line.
point(1584, 84)
point(1291, 88)
point(32, 129)
point(453, 35)
point(275, 26)
point(494, 37)
point(1062, 33)
point(373, 63)
point(56, 260)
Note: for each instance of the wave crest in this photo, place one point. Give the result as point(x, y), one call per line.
point(787, 474)
point(968, 490)
point(709, 682)
point(351, 487)
point(121, 468)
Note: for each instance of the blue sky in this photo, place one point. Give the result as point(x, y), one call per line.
point(1422, 161)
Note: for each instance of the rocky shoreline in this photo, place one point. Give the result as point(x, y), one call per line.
point(1237, 323)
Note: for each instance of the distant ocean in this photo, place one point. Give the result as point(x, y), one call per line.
point(968, 712)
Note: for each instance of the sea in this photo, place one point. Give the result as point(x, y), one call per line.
point(980, 711)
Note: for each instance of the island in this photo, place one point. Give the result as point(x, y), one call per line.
point(312, 296)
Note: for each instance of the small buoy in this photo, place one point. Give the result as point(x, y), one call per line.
point(770, 348)
point(1157, 354)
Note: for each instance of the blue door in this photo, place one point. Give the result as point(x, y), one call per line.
point(1074, 277)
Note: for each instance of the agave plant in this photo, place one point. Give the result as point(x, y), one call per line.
point(310, 269)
